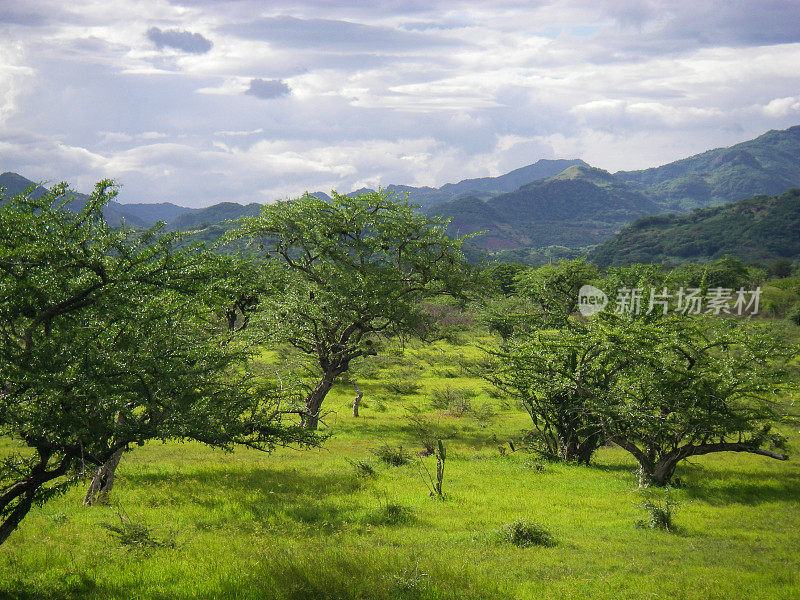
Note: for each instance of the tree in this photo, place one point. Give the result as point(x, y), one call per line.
point(107, 341)
point(349, 269)
point(554, 288)
point(691, 386)
point(551, 362)
point(781, 268)
point(560, 376)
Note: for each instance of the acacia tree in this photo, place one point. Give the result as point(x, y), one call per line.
point(554, 288)
point(559, 377)
point(350, 269)
point(106, 342)
point(554, 364)
point(694, 386)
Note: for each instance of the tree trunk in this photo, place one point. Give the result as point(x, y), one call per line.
point(357, 399)
point(662, 471)
point(24, 492)
point(17, 514)
point(314, 400)
point(103, 480)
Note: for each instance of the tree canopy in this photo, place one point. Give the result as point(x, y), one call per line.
point(110, 338)
point(347, 270)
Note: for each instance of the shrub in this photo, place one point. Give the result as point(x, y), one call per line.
point(484, 413)
point(659, 512)
point(459, 407)
point(136, 535)
point(524, 534)
point(394, 457)
point(390, 513)
point(447, 373)
point(455, 400)
point(402, 387)
point(362, 467)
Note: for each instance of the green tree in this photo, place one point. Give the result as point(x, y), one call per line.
point(107, 341)
point(690, 386)
point(551, 363)
point(559, 376)
point(554, 288)
point(350, 269)
point(502, 276)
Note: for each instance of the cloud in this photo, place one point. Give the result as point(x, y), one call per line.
point(418, 92)
point(332, 35)
point(12, 16)
point(193, 43)
point(266, 89)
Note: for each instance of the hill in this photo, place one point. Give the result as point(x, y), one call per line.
point(150, 214)
point(14, 184)
point(483, 187)
point(759, 228)
point(768, 164)
point(578, 207)
point(214, 215)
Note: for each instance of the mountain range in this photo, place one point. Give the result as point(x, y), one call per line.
point(137, 215)
point(549, 203)
point(756, 229)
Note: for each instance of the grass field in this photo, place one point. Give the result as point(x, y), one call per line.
point(306, 524)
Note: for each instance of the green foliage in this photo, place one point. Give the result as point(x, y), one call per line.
point(660, 512)
point(402, 387)
point(363, 468)
point(557, 375)
point(794, 315)
point(137, 535)
point(348, 270)
point(110, 338)
point(759, 228)
point(392, 456)
point(692, 386)
point(503, 276)
point(525, 534)
point(554, 288)
point(391, 514)
point(456, 401)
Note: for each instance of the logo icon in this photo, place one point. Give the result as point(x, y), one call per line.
point(591, 300)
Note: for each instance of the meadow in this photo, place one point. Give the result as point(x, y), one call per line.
point(187, 521)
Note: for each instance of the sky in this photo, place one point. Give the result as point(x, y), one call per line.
point(198, 102)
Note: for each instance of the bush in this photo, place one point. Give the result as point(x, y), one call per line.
point(447, 373)
point(136, 535)
point(394, 457)
point(484, 413)
point(402, 387)
point(794, 314)
point(390, 513)
point(362, 467)
point(455, 400)
point(659, 512)
point(524, 534)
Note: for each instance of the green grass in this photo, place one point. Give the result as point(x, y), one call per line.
point(307, 525)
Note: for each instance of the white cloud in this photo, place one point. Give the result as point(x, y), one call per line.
point(411, 92)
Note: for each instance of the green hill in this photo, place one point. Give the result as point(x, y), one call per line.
point(215, 215)
point(578, 207)
point(755, 229)
point(482, 188)
point(769, 164)
point(14, 184)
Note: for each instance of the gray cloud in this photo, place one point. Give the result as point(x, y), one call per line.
point(267, 89)
point(194, 43)
point(333, 35)
point(416, 92)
